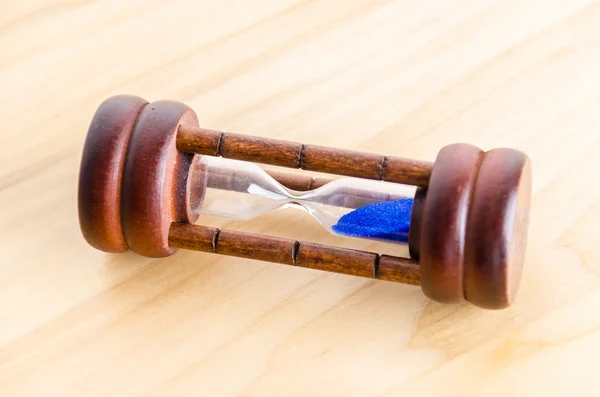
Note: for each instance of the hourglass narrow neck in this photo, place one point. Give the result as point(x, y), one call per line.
point(241, 190)
point(217, 176)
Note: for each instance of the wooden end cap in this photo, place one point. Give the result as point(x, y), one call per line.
point(496, 235)
point(133, 182)
point(155, 179)
point(474, 222)
point(444, 220)
point(101, 172)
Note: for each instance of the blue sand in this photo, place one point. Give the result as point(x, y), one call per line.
point(388, 220)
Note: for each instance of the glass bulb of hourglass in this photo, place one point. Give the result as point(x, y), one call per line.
point(347, 206)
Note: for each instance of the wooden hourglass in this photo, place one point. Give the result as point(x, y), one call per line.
point(148, 171)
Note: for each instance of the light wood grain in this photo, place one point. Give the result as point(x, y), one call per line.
point(400, 77)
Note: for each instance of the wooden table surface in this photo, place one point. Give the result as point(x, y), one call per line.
point(393, 77)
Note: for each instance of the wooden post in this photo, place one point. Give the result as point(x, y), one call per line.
point(307, 157)
point(295, 253)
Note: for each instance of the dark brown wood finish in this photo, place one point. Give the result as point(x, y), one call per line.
point(342, 162)
point(191, 139)
point(256, 246)
point(406, 171)
point(497, 229)
point(416, 220)
point(232, 243)
point(253, 149)
point(291, 252)
point(307, 157)
point(445, 216)
point(399, 270)
point(337, 260)
point(155, 179)
point(101, 172)
point(191, 237)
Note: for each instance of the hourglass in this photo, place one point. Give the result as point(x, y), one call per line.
point(148, 172)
